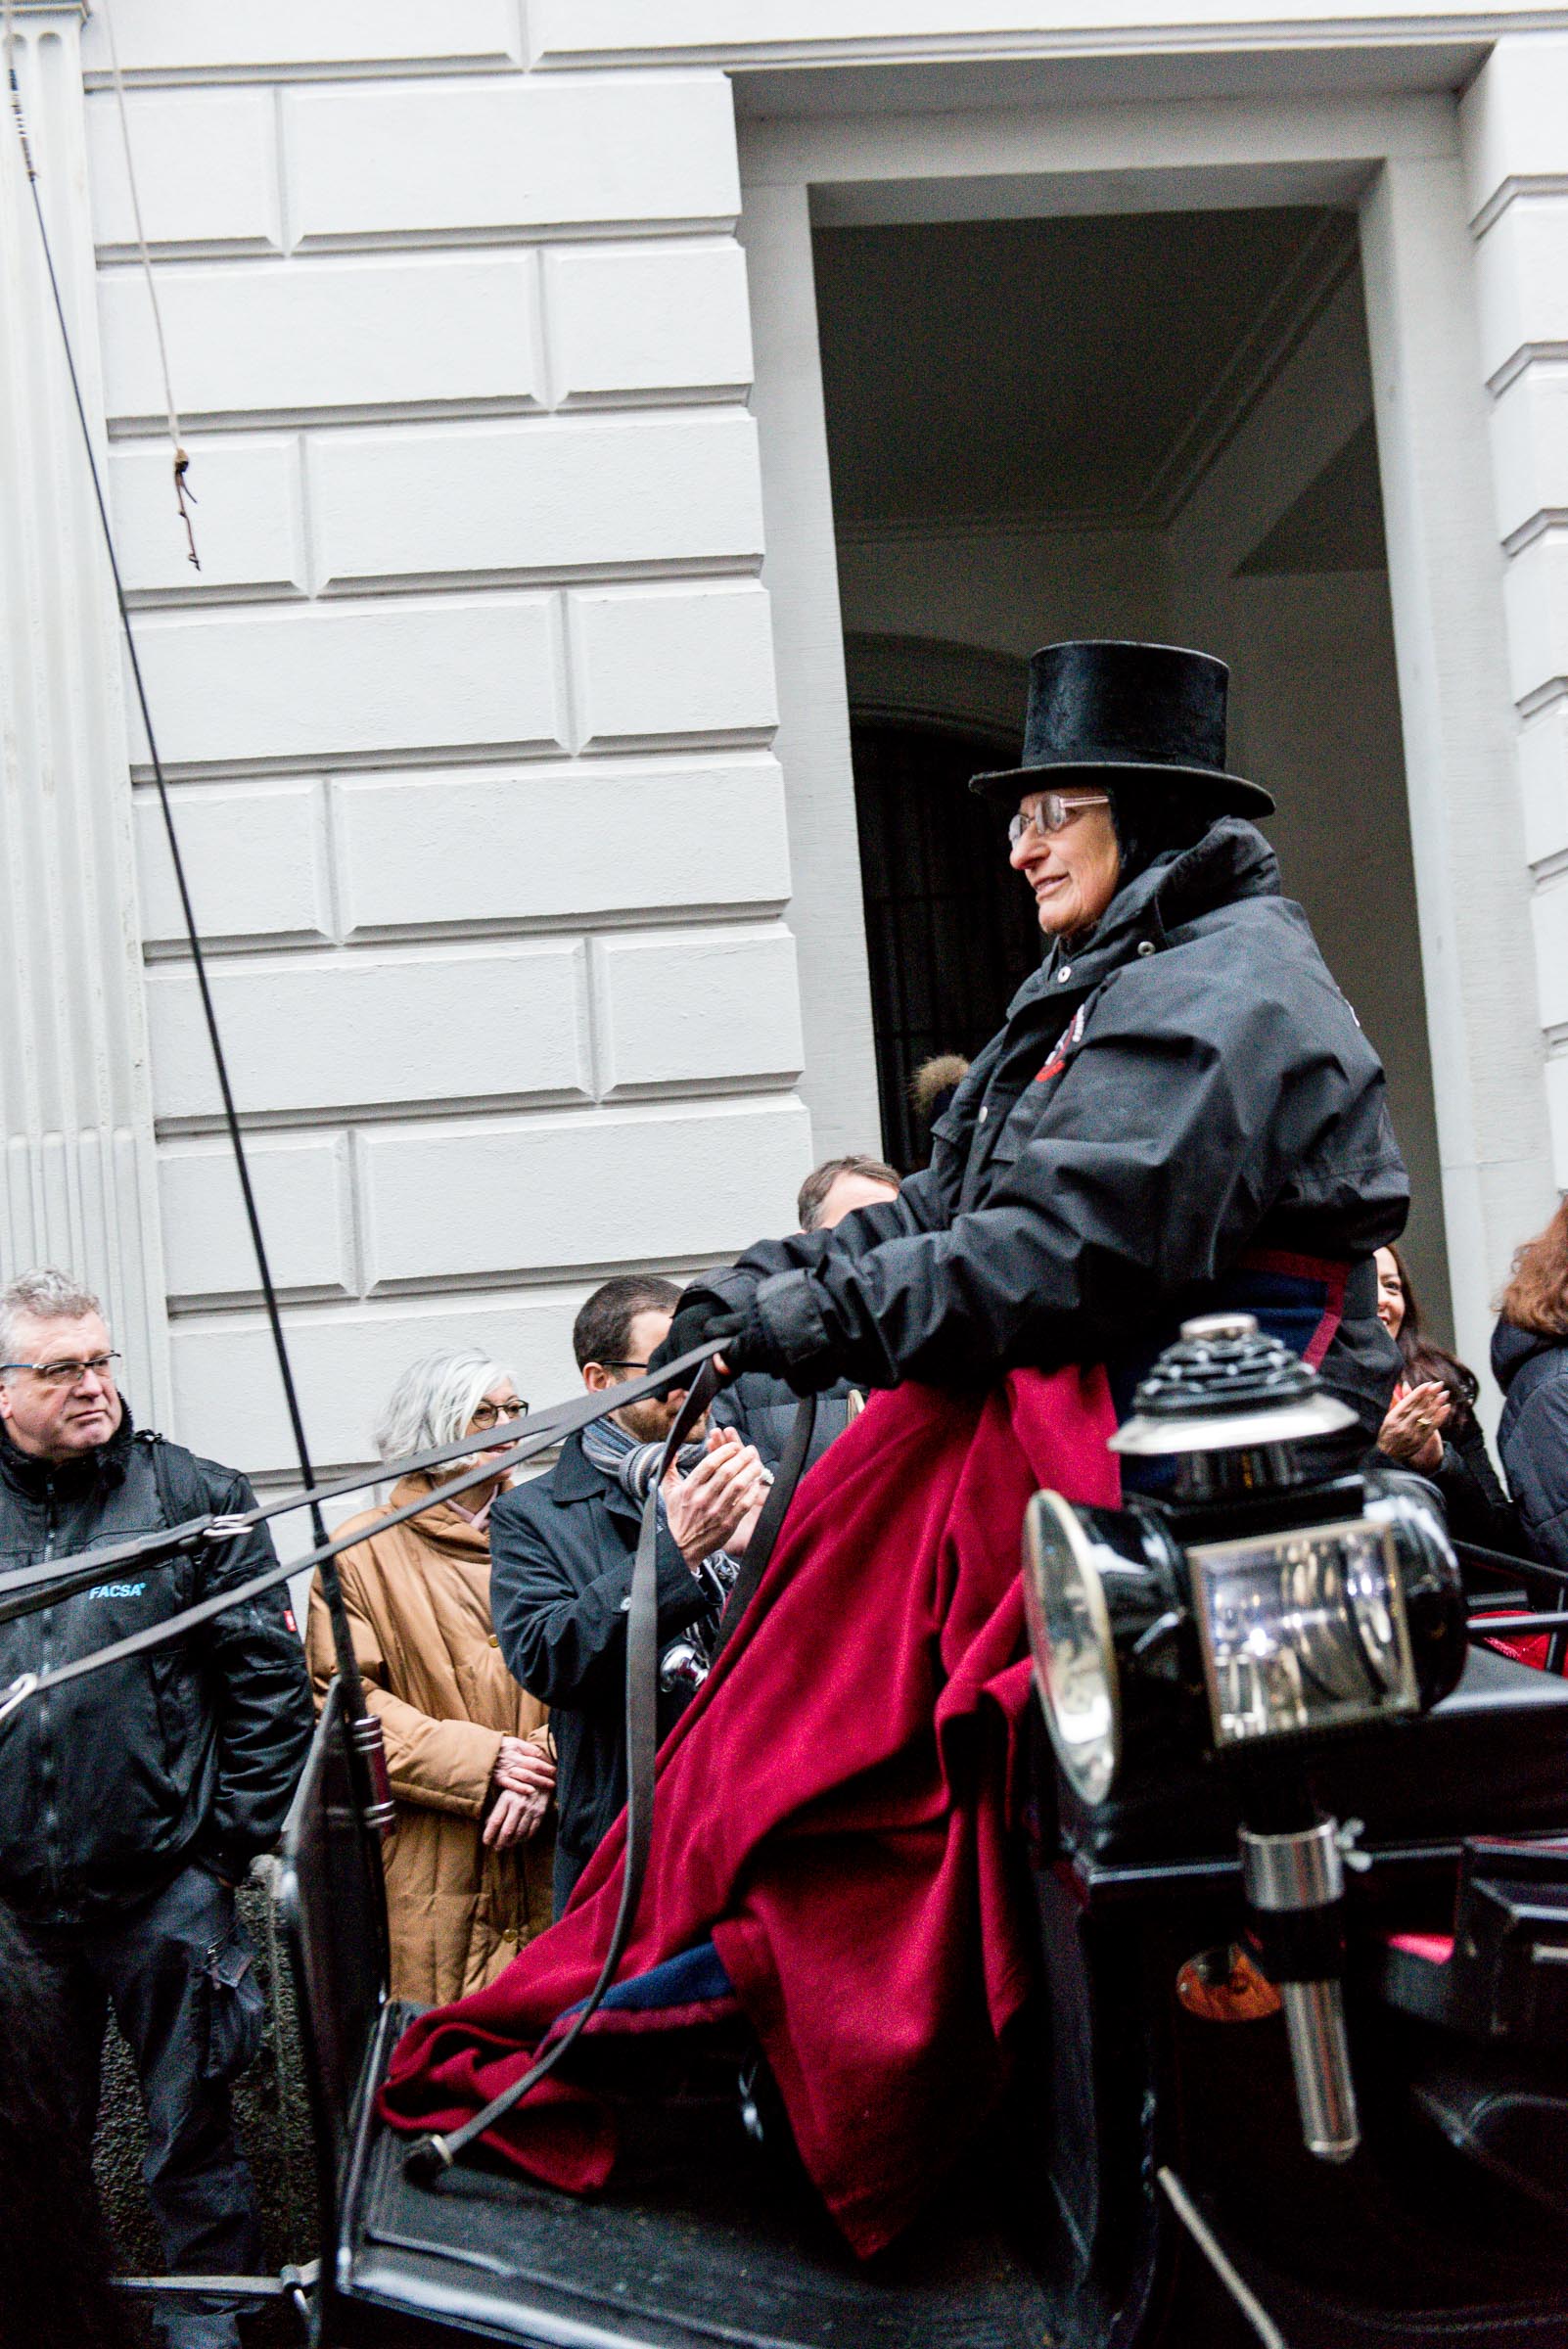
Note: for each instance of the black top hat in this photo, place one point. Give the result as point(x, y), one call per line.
point(1106, 713)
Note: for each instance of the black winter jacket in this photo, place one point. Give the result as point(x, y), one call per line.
point(1476, 1506)
point(1533, 1433)
point(1184, 1087)
point(191, 1752)
point(761, 1409)
point(561, 1550)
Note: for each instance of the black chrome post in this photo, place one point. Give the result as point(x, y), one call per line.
point(1294, 1887)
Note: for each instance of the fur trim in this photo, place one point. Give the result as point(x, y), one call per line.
point(934, 1078)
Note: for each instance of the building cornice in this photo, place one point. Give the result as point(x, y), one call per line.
point(569, 34)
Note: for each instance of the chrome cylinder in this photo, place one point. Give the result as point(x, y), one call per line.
point(683, 1665)
point(1320, 2058)
point(1294, 1875)
point(1300, 1871)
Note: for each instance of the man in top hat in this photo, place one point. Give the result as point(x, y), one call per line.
point(1181, 1112)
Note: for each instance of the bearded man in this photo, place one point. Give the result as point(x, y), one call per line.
point(561, 1550)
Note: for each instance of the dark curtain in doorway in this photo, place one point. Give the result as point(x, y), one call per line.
point(950, 929)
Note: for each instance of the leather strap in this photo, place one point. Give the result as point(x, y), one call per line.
point(33, 1587)
point(430, 2157)
point(544, 1430)
point(760, 1549)
point(61, 1582)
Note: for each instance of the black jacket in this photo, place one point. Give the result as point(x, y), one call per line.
point(111, 1784)
point(561, 1550)
point(1188, 1086)
point(1476, 1506)
point(761, 1409)
point(1532, 1434)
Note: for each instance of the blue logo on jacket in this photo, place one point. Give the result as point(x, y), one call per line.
point(116, 1590)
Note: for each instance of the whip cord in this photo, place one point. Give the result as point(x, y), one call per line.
point(182, 489)
point(28, 1589)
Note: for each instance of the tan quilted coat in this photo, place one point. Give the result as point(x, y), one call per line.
point(419, 1600)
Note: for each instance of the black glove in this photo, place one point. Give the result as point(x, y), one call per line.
point(704, 1318)
point(749, 1339)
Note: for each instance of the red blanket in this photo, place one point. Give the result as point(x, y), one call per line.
point(832, 1811)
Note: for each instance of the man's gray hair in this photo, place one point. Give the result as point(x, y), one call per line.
point(43, 1295)
point(435, 1400)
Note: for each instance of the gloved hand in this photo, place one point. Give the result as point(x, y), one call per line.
point(704, 1317)
point(789, 1340)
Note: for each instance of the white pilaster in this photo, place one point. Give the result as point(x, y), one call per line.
point(1515, 135)
point(801, 573)
point(1467, 824)
point(80, 1187)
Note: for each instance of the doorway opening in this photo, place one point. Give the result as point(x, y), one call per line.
point(949, 934)
point(1152, 425)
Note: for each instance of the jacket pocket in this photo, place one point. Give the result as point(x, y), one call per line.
point(231, 2009)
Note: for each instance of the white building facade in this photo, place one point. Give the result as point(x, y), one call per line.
point(508, 719)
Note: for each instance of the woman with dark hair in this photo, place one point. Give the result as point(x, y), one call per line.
point(1530, 1363)
point(1431, 1424)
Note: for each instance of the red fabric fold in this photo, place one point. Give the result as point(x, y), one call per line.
point(832, 1809)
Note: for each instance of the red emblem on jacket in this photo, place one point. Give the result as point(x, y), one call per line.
point(1063, 1045)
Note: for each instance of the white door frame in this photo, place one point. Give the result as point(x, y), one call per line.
point(1398, 160)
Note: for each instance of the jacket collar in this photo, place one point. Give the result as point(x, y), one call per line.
point(1232, 860)
point(441, 1523)
point(575, 1478)
point(74, 1480)
point(1513, 1347)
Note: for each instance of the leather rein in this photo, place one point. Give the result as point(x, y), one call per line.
point(429, 2158)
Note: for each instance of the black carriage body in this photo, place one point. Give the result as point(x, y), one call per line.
point(1056, 2232)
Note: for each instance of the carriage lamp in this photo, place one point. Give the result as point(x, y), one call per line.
point(1255, 1603)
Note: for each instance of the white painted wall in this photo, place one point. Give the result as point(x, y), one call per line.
point(1467, 830)
point(469, 708)
point(80, 1183)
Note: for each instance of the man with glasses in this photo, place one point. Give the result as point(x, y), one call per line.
point(561, 1550)
point(134, 1799)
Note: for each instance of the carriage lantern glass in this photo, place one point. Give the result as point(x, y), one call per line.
point(1287, 1601)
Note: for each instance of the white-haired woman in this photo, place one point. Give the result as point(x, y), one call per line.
point(469, 1861)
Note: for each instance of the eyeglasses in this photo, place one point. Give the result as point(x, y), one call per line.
point(489, 1414)
point(622, 1365)
point(66, 1374)
point(1051, 812)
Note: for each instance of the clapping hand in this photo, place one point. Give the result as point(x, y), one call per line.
point(1411, 1432)
point(710, 1508)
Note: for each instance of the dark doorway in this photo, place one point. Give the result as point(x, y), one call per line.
point(1153, 426)
point(949, 927)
